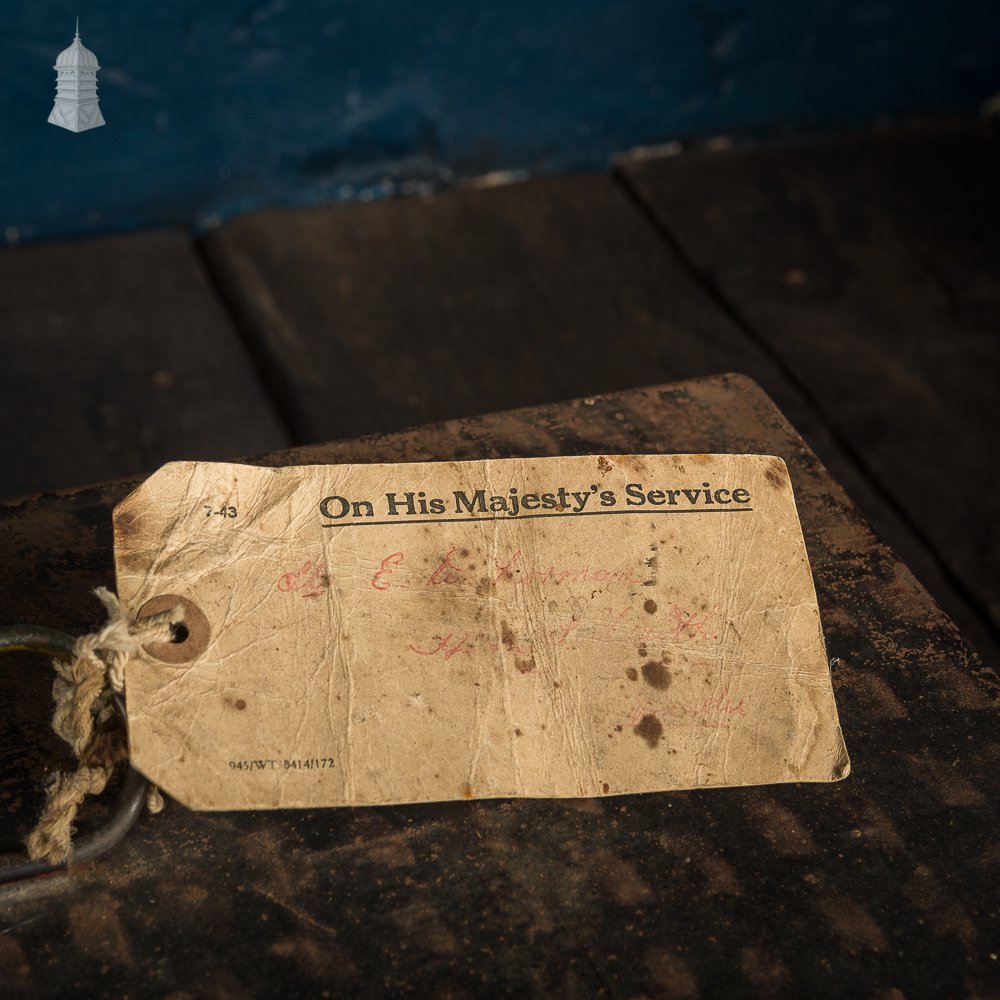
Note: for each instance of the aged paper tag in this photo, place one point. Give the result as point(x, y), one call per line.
point(368, 634)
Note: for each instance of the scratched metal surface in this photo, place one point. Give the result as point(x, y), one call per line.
point(881, 885)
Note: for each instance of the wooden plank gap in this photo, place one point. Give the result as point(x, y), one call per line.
point(890, 517)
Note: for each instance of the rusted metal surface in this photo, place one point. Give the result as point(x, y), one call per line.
point(883, 883)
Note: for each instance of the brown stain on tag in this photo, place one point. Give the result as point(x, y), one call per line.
point(649, 606)
point(525, 666)
point(776, 474)
point(656, 675)
point(128, 532)
point(506, 635)
point(650, 729)
point(632, 674)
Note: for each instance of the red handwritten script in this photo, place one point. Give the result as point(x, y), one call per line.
point(686, 625)
point(309, 580)
point(641, 621)
point(447, 645)
point(510, 571)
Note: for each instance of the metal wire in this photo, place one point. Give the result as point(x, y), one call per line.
point(34, 639)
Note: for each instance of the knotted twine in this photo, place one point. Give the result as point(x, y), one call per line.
point(83, 717)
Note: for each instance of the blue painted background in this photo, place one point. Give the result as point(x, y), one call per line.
point(216, 106)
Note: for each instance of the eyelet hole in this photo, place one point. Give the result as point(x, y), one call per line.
point(188, 638)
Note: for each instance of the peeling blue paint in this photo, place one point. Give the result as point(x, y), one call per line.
point(215, 108)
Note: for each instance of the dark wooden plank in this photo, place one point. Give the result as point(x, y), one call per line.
point(881, 885)
point(870, 266)
point(117, 356)
point(375, 317)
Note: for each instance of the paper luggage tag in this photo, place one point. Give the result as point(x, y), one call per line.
point(372, 634)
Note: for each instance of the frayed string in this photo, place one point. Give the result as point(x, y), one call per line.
point(82, 693)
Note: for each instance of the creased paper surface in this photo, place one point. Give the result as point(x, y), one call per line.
point(374, 634)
